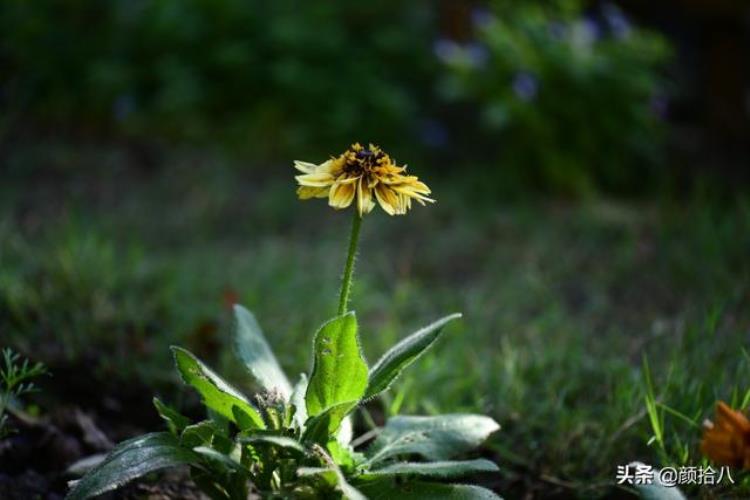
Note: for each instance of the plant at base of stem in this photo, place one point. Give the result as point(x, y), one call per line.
point(295, 440)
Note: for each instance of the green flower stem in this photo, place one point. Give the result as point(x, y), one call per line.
point(346, 282)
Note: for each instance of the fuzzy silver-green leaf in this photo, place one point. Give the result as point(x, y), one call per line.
point(434, 438)
point(442, 469)
point(387, 489)
point(130, 460)
point(257, 356)
point(400, 356)
point(656, 490)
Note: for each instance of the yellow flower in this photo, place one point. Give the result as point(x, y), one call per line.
point(364, 174)
point(726, 441)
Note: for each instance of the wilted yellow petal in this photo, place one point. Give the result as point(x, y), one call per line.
point(341, 195)
point(365, 203)
point(348, 180)
point(305, 167)
point(322, 179)
point(387, 199)
point(307, 192)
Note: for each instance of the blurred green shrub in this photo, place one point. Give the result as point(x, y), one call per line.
point(564, 99)
point(260, 76)
point(546, 93)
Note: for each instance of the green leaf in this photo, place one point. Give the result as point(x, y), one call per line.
point(175, 422)
point(344, 456)
point(228, 476)
point(328, 474)
point(434, 438)
point(217, 394)
point(254, 351)
point(244, 420)
point(276, 441)
point(389, 490)
point(443, 469)
point(334, 474)
point(323, 428)
point(223, 460)
point(339, 371)
point(198, 434)
point(393, 362)
point(132, 459)
point(205, 480)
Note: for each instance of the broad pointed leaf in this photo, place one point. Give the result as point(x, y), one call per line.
point(217, 394)
point(444, 469)
point(175, 422)
point(244, 420)
point(324, 427)
point(393, 362)
point(389, 490)
point(198, 434)
point(434, 438)
point(254, 351)
point(130, 460)
point(339, 371)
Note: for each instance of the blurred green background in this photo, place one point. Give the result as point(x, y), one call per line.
point(590, 161)
point(565, 96)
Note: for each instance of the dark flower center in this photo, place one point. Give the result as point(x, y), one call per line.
point(364, 159)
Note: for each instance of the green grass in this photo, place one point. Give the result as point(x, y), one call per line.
point(564, 304)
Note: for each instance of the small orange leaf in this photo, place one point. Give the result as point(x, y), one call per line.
point(727, 440)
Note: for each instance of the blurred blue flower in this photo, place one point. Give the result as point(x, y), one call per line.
point(433, 134)
point(616, 19)
point(591, 28)
point(525, 85)
point(123, 106)
point(660, 105)
point(481, 17)
point(557, 30)
point(584, 32)
point(446, 50)
point(477, 53)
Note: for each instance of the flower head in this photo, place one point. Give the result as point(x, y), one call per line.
point(727, 440)
point(365, 175)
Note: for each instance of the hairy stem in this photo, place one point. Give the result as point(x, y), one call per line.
point(346, 282)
